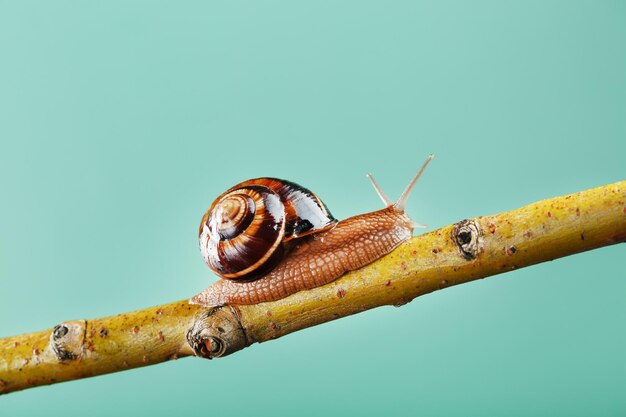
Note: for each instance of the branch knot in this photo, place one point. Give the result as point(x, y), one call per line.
point(216, 332)
point(468, 236)
point(66, 339)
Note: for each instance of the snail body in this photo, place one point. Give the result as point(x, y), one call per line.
point(289, 241)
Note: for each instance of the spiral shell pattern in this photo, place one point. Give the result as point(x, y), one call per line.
point(242, 235)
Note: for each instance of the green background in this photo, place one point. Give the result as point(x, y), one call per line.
point(121, 121)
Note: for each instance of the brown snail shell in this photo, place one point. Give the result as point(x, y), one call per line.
point(244, 233)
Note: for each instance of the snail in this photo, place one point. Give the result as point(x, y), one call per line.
point(269, 238)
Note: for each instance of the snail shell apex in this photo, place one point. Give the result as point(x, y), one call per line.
point(244, 233)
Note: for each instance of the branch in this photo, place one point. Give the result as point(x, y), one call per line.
point(462, 252)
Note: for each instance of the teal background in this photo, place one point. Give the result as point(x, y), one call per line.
point(121, 121)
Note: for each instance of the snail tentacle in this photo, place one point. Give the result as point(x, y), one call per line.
point(386, 200)
point(401, 203)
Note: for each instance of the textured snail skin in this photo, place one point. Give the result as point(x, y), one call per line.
point(318, 259)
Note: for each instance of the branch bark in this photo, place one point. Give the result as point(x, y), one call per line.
point(462, 252)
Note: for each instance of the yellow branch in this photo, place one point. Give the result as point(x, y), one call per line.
point(94, 347)
point(452, 255)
